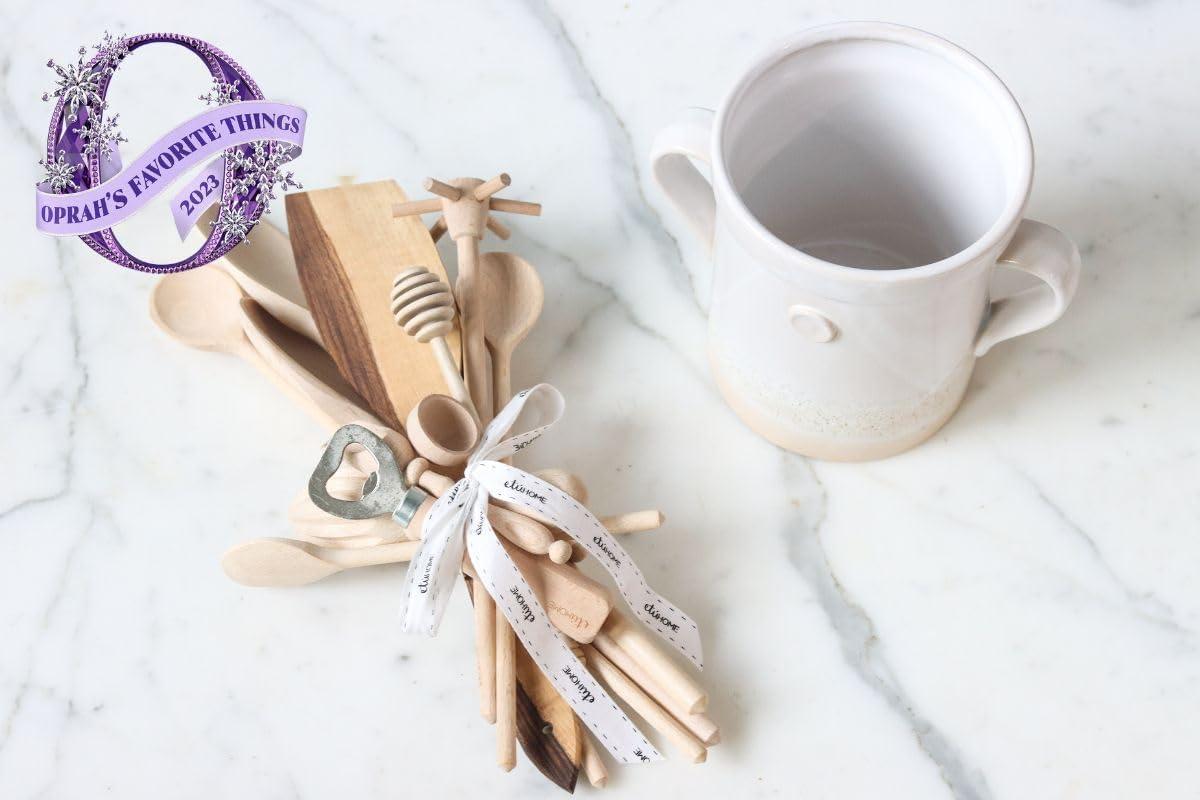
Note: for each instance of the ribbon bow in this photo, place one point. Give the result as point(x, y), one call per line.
point(458, 521)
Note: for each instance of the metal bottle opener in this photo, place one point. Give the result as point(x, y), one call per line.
point(385, 492)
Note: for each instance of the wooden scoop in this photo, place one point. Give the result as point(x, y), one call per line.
point(442, 430)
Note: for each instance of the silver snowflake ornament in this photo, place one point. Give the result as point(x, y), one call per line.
point(100, 135)
point(263, 171)
point(222, 93)
point(60, 173)
point(76, 84)
point(112, 51)
point(232, 223)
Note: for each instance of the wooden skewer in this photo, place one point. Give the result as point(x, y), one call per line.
point(485, 649)
point(515, 207)
point(701, 726)
point(451, 193)
point(499, 228)
point(489, 187)
point(411, 207)
point(593, 764)
point(506, 694)
point(645, 707)
point(438, 228)
point(633, 522)
point(629, 635)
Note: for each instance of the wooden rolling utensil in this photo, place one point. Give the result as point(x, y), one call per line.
point(347, 249)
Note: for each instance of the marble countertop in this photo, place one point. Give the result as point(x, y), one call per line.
point(1010, 611)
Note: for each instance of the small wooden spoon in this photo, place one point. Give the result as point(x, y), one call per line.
point(513, 302)
point(287, 562)
point(200, 308)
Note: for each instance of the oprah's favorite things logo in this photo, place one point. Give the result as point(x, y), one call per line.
point(241, 144)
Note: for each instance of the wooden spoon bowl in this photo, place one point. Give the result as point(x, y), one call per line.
point(442, 430)
point(200, 308)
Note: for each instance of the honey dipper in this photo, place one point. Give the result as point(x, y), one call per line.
point(424, 307)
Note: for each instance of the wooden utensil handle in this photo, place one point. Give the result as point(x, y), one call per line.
point(416, 207)
point(645, 706)
point(593, 764)
point(371, 556)
point(516, 206)
point(469, 294)
point(633, 522)
point(485, 648)
point(701, 726)
point(454, 380)
point(633, 639)
point(506, 694)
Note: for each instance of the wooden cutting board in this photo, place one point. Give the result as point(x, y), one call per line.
point(348, 249)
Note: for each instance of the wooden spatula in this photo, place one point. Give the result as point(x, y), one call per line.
point(348, 250)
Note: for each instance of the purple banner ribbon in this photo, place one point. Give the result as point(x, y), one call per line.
point(177, 152)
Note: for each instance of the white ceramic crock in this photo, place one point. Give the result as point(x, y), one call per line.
point(866, 179)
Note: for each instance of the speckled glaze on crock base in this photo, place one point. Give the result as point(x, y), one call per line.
point(829, 433)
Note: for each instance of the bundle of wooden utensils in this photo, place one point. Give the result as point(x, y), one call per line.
point(354, 319)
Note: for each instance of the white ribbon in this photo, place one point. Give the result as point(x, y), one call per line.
point(458, 521)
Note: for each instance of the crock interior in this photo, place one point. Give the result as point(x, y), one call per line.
point(872, 154)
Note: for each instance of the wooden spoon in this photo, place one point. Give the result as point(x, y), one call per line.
point(287, 562)
point(201, 308)
point(267, 272)
point(514, 296)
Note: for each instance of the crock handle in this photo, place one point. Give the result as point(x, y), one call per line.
point(1047, 254)
point(687, 138)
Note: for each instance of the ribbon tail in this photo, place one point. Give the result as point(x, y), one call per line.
point(433, 572)
point(516, 600)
